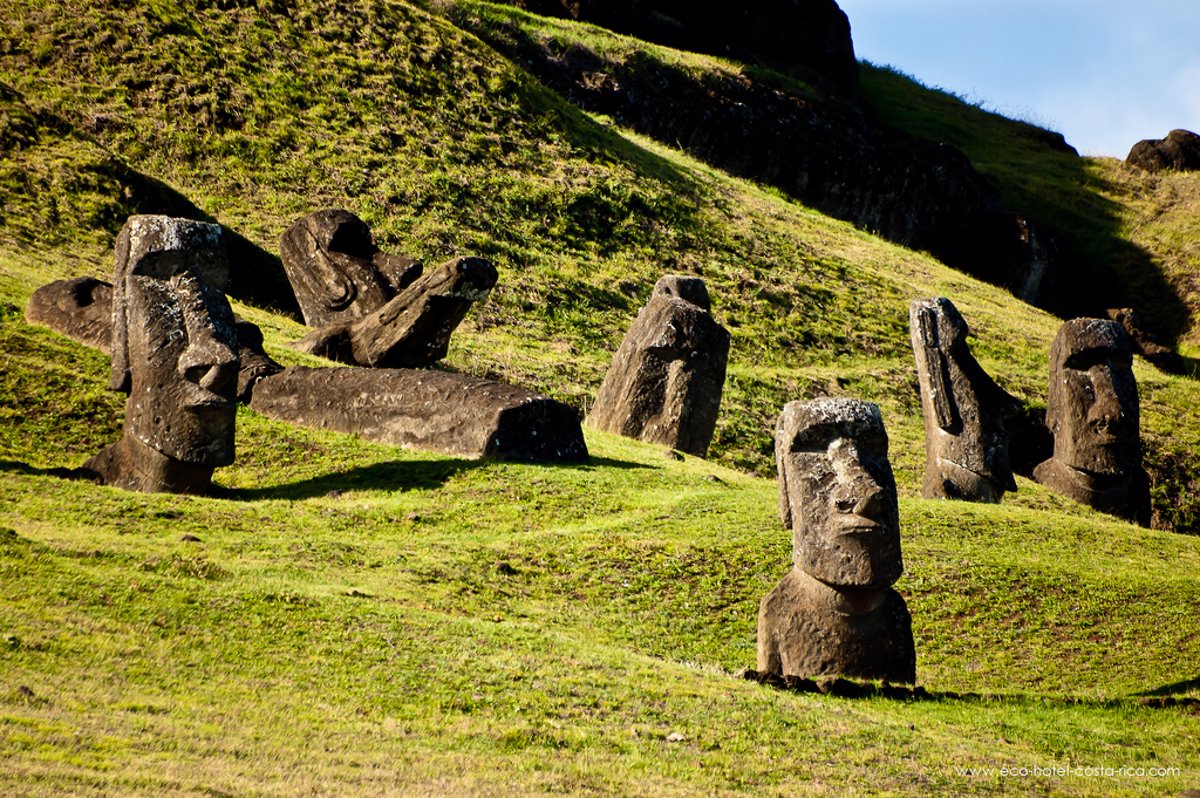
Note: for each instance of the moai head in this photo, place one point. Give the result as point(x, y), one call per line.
point(966, 441)
point(837, 492)
point(681, 286)
point(336, 270)
point(1092, 407)
point(173, 347)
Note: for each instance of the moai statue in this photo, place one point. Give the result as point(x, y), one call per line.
point(966, 443)
point(336, 270)
point(835, 613)
point(174, 351)
point(665, 382)
point(1092, 412)
point(370, 308)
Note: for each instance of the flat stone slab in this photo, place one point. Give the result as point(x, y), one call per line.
point(421, 409)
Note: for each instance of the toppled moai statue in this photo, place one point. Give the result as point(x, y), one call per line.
point(370, 308)
point(174, 351)
point(665, 382)
point(82, 310)
point(966, 442)
point(413, 329)
point(426, 409)
point(336, 270)
point(1092, 412)
point(835, 613)
point(1144, 343)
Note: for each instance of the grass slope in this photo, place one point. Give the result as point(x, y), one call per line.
point(359, 619)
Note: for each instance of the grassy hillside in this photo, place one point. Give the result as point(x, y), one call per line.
point(347, 618)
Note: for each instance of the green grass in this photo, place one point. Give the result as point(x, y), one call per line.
point(356, 619)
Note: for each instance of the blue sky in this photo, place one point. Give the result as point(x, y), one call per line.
point(1105, 73)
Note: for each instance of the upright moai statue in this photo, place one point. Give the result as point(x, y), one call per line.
point(835, 613)
point(1092, 412)
point(174, 351)
point(665, 382)
point(370, 308)
point(966, 443)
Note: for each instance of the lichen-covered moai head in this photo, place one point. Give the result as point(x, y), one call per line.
point(966, 442)
point(336, 270)
point(837, 492)
point(1092, 407)
point(174, 350)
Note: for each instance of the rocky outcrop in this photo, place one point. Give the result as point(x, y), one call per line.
point(425, 409)
point(917, 193)
point(808, 39)
point(1180, 151)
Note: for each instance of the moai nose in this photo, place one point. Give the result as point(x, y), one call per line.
point(1106, 410)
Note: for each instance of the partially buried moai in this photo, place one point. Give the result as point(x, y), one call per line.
point(966, 442)
point(665, 382)
point(1092, 411)
point(174, 351)
point(370, 308)
point(835, 613)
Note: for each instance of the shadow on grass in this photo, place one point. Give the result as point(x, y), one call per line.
point(80, 474)
point(1174, 688)
point(1161, 698)
point(391, 476)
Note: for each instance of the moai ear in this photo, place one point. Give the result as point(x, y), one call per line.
point(119, 377)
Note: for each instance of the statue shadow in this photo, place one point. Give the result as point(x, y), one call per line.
point(1174, 688)
point(77, 474)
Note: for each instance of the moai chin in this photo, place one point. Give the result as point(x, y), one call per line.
point(835, 613)
point(174, 351)
point(666, 379)
point(1092, 412)
point(966, 443)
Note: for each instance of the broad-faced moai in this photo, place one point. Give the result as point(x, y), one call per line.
point(373, 309)
point(966, 442)
point(665, 382)
point(174, 351)
point(835, 613)
point(1092, 412)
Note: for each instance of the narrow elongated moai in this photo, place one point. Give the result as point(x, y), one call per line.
point(175, 352)
point(665, 382)
point(835, 613)
point(966, 442)
point(370, 308)
point(1092, 412)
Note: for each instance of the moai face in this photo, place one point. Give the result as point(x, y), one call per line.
point(1092, 407)
point(966, 440)
point(336, 270)
point(837, 492)
point(174, 346)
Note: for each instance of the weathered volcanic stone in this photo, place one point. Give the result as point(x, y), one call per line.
point(665, 382)
point(966, 441)
point(1143, 342)
point(835, 613)
point(1092, 412)
point(426, 409)
point(174, 350)
point(336, 270)
point(80, 309)
point(413, 329)
point(1180, 150)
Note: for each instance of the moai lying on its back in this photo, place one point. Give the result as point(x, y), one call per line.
point(370, 308)
point(966, 443)
point(835, 613)
point(1092, 411)
point(665, 382)
point(174, 350)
